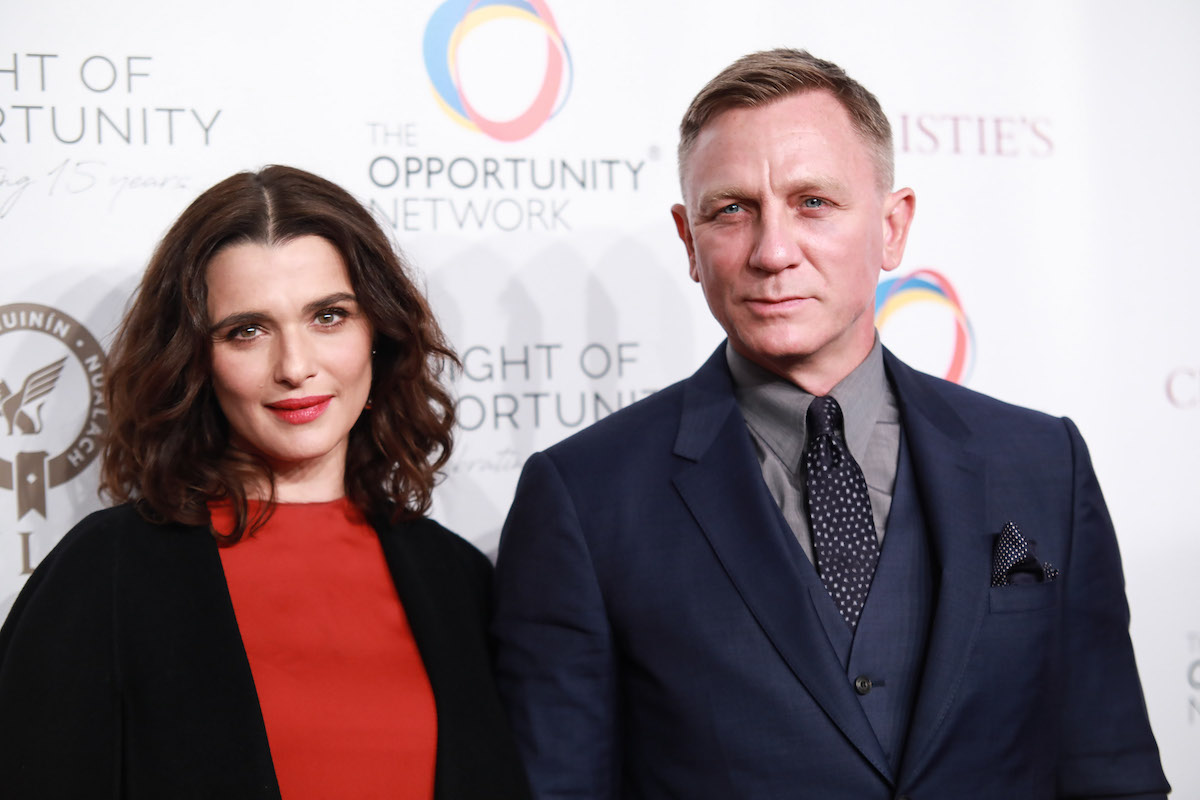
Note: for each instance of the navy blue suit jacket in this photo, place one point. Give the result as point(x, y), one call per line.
point(655, 638)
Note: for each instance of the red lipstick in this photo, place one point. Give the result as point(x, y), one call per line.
point(299, 410)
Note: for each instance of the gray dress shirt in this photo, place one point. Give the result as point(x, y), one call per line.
point(775, 410)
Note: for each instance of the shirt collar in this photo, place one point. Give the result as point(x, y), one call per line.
point(775, 408)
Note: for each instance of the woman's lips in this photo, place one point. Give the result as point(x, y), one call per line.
point(299, 410)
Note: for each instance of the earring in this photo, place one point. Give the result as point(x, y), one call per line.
point(367, 407)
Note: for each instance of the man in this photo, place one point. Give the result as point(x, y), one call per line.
point(808, 570)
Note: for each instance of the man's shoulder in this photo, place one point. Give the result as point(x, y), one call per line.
point(994, 423)
point(977, 409)
point(654, 422)
point(651, 421)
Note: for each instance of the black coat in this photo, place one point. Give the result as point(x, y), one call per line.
point(123, 675)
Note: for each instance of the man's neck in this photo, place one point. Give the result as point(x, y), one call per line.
point(814, 374)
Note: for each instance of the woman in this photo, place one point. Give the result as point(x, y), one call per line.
point(267, 612)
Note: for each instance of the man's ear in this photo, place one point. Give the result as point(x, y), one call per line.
point(679, 212)
point(898, 210)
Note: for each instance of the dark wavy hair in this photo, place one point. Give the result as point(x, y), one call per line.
point(168, 448)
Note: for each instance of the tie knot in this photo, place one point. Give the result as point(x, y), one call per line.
point(824, 417)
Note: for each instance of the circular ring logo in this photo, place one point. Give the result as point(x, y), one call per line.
point(928, 286)
point(33, 471)
point(453, 20)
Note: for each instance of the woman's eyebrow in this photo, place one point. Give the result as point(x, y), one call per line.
point(330, 300)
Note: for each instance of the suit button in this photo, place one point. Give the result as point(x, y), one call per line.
point(862, 684)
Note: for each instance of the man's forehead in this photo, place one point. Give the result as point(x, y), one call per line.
point(747, 127)
point(809, 105)
point(815, 113)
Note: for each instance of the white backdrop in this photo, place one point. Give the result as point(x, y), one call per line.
point(1050, 146)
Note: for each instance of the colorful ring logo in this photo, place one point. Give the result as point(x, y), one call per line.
point(452, 21)
point(925, 286)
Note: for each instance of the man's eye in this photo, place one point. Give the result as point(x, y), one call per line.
point(813, 202)
point(732, 208)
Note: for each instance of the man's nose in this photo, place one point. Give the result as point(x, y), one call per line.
point(295, 358)
point(777, 241)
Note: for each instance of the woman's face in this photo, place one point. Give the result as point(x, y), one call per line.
point(291, 359)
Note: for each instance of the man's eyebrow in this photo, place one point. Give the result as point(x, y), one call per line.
point(816, 184)
point(808, 185)
point(722, 194)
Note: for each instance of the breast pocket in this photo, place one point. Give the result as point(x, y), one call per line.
point(1023, 597)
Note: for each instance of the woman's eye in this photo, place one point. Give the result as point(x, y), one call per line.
point(244, 332)
point(330, 316)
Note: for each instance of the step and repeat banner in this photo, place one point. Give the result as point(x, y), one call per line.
point(521, 153)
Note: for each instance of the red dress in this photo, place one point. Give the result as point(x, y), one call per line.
point(348, 707)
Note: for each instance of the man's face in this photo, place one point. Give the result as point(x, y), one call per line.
point(787, 230)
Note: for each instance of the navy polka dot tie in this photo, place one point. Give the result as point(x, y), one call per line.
point(839, 512)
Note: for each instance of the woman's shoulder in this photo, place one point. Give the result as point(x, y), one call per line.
point(121, 522)
point(427, 540)
point(94, 538)
point(422, 531)
point(72, 584)
point(114, 517)
point(105, 538)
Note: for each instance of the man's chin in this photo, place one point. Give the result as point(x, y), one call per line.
point(776, 350)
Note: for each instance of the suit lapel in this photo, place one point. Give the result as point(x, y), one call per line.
point(723, 488)
point(951, 484)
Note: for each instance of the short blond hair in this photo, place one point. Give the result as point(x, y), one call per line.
point(761, 78)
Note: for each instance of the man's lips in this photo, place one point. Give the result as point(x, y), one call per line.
point(768, 303)
point(298, 410)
